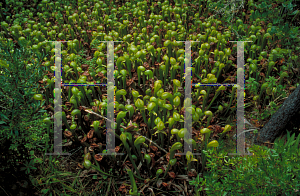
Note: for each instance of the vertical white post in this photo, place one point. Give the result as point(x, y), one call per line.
point(57, 103)
point(240, 100)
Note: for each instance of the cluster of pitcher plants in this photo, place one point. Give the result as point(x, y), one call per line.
point(149, 71)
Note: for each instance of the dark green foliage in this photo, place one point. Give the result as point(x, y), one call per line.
point(268, 171)
point(21, 125)
point(282, 14)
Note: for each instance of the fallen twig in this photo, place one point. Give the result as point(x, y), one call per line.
point(108, 189)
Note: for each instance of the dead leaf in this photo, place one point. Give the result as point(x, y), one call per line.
point(151, 155)
point(84, 139)
point(137, 117)
point(165, 184)
point(94, 145)
point(129, 82)
point(168, 156)
point(143, 125)
point(79, 165)
point(262, 61)
point(280, 62)
point(215, 128)
point(172, 174)
point(117, 148)
point(122, 188)
point(90, 134)
point(86, 44)
point(146, 65)
point(98, 157)
point(154, 148)
point(100, 74)
point(90, 148)
point(86, 73)
point(68, 134)
point(84, 66)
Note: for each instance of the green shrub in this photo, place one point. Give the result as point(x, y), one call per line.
point(268, 171)
point(22, 128)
